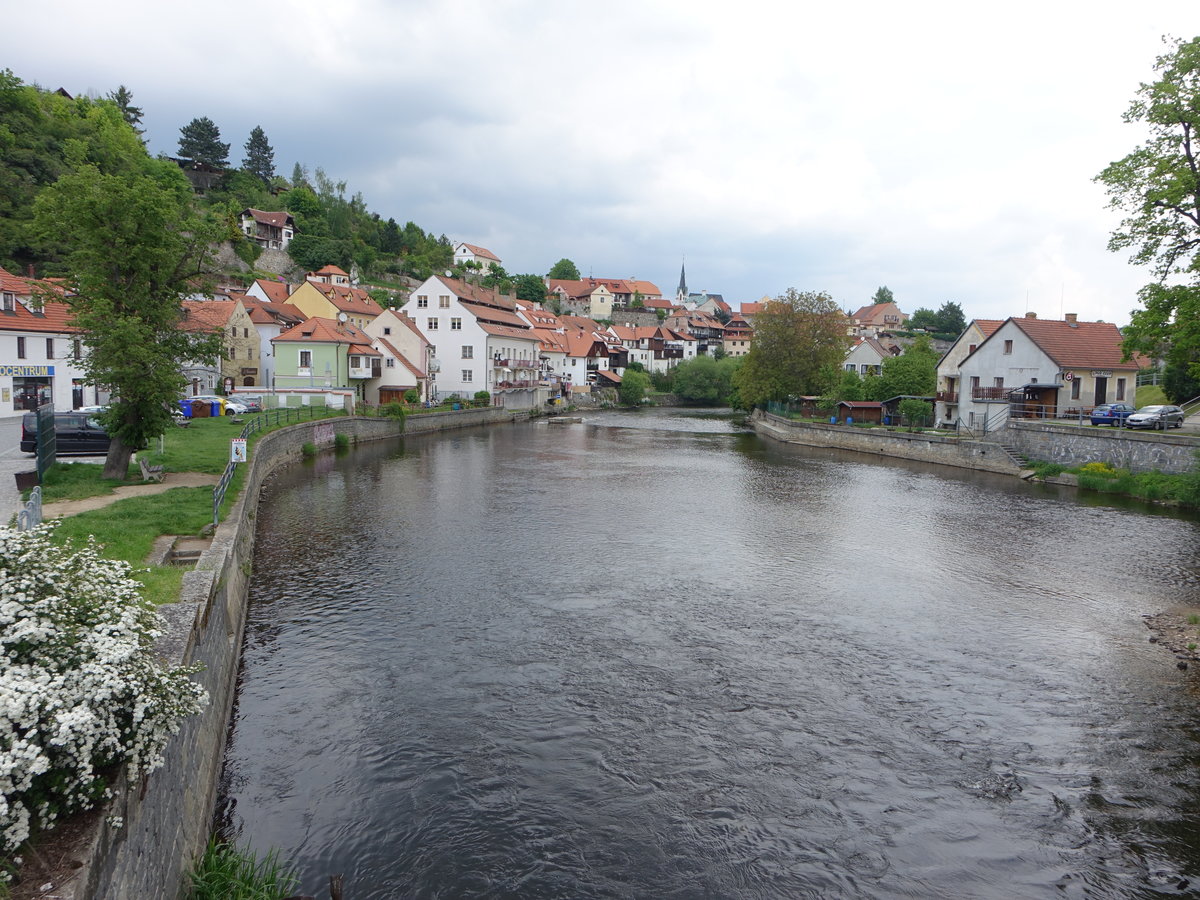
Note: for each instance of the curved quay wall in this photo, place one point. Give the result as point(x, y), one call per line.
point(933, 448)
point(167, 815)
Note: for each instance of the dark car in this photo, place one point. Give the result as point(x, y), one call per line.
point(75, 433)
point(252, 402)
point(1162, 417)
point(1111, 413)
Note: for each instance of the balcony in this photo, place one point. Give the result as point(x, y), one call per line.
point(360, 371)
point(498, 363)
point(947, 396)
point(990, 393)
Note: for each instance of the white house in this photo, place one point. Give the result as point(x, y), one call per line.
point(474, 256)
point(40, 351)
point(480, 342)
point(1045, 368)
point(946, 408)
point(866, 357)
point(406, 355)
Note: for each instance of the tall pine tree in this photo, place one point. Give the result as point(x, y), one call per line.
point(260, 158)
point(200, 141)
point(123, 97)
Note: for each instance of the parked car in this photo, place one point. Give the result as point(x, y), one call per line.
point(1111, 413)
point(228, 405)
point(252, 403)
point(75, 433)
point(1163, 417)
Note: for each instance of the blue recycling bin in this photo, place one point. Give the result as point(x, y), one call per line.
point(887, 420)
point(833, 420)
point(849, 420)
point(186, 405)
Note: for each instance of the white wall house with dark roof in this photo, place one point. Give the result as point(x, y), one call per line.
point(480, 342)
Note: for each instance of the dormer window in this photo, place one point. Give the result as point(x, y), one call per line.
point(10, 301)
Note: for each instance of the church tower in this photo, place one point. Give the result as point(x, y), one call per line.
point(681, 292)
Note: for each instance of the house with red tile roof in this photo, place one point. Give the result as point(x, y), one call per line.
point(326, 355)
point(1045, 368)
point(657, 348)
point(406, 353)
point(269, 290)
point(481, 341)
point(327, 294)
point(240, 364)
point(589, 297)
point(270, 230)
point(40, 350)
point(474, 257)
point(708, 331)
point(738, 336)
point(874, 318)
point(948, 377)
point(270, 320)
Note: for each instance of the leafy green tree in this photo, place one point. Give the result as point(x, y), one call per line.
point(634, 387)
point(883, 295)
point(132, 115)
point(136, 241)
point(200, 142)
point(530, 288)
point(914, 372)
point(705, 381)
point(916, 413)
point(796, 335)
point(1181, 382)
point(260, 158)
point(299, 176)
point(924, 318)
point(950, 319)
point(564, 268)
point(845, 385)
point(1157, 188)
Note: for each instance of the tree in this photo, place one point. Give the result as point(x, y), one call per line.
point(883, 295)
point(914, 372)
point(564, 268)
point(634, 386)
point(135, 242)
point(123, 97)
point(796, 336)
point(1157, 188)
point(530, 288)
point(705, 380)
point(260, 158)
point(200, 142)
point(924, 318)
point(950, 319)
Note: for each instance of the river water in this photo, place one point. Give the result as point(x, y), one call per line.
point(655, 656)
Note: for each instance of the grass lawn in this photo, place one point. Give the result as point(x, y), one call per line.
point(127, 528)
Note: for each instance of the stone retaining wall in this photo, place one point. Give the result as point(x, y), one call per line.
point(167, 815)
point(921, 446)
point(1122, 448)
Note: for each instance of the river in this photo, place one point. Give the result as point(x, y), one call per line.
point(655, 656)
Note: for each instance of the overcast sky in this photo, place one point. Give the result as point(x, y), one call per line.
point(946, 150)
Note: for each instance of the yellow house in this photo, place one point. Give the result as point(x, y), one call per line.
point(325, 300)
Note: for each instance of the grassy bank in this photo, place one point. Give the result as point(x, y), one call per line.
point(1155, 487)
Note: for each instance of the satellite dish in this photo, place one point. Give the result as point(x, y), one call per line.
point(342, 317)
point(449, 273)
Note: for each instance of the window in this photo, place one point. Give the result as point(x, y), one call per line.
point(355, 362)
point(1120, 388)
point(466, 375)
point(77, 350)
point(49, 348)
point(306, 359)
point(1008, 348)
point(20, 348)
point(391, 363)
point(444, 302)
point(456, 324)
point(1075, 388)
point(422, 301)
point(999, 381)
point(10, 301)
point(386, 331)
point(468, 352)
point(432, 324)
point(971, 348)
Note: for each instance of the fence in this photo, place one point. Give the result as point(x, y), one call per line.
point(30, 514)
point(272, 418)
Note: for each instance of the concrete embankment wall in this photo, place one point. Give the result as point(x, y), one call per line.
point(945, 450)
point(1121, 448)
point(167, 814)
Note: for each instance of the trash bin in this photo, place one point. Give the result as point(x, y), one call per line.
point(833, 420)
point(458, 406)
point(849, 420)
point(185, 405)
point(200, 409)
point(887, 420)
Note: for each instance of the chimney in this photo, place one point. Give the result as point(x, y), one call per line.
point(1072, 319)
point(1031, 315)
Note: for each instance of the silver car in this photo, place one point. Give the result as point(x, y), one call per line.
point(1161, 417)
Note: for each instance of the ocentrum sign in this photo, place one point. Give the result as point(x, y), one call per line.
point(27, 371)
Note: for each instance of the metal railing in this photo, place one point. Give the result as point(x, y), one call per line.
point(271, 418)
point(30, 514)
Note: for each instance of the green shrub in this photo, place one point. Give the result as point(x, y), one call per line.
point(483, 395)
point(393, 411)
point(1047, 469)
point(1101, 469)
point(341, 441)
point(226, 872)
point(309, 449)
point(412, 395)
point(247, 251)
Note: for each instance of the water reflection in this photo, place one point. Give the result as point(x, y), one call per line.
point(629, 659)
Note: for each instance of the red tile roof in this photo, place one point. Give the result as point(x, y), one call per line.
point(480, 251)
point(1080, 345)
point(348, 299)
point(206, 315)
point(277, 219)
point(328, 331)
point(276, 291)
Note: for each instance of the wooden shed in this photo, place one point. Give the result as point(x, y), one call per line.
point(849, 411)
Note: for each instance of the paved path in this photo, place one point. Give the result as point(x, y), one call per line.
point(170, 480)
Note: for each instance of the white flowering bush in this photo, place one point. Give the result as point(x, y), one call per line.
point(80, 687)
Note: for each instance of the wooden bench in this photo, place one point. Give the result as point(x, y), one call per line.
point(149, 472)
